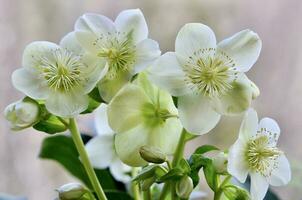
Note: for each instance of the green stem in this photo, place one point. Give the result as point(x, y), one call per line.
point(217, 195)
point(178, 154)
point(165, 191)
point(147, 194)
point(134, 186)
point(76, 136)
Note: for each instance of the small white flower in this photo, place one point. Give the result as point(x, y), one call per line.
point(60, 75)
point(208, 78)
point(255, 153)
point(124, 44)
point(101, 150)
point(22, 114)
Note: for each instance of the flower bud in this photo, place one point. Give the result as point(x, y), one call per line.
point(220, 162)
point(72, 191)
point(184, 187)
point(22, 114)
point(236, 193)
point(152, 154)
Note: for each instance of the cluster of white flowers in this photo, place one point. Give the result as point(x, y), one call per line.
point(152, 97)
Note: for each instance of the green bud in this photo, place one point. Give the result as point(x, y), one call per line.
point(184, 187)
point(72, 191)
point(152, 154)
point(22, 114)
point(220, 162)
point(236, 193)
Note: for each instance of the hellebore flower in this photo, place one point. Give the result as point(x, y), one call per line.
point(141, 114)
point(124, 44)
point(101, 150)
point(61, 75)
point(255, 153)
point(208, 78)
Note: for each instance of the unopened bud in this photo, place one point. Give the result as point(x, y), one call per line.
point(220, 162)
point(236, 193)
point(152, 154)
point(184, 187)
point(22, 114)
point(72, 191)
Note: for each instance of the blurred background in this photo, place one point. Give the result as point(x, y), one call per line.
point(278, 73)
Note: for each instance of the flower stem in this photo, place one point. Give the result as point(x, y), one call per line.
point(76, 136)
point(134, 186)
point(178, 154)
point(147, 194)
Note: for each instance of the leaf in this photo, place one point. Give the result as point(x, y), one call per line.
point(173, 174)
point(149, 171)
point(95, 95)
point(50, 125)
point(184, 165)
point(93, 104)
point(205, 148)
point(211, 176)
point(61, 148)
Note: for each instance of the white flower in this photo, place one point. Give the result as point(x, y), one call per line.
point(61, 75)
point(141, 114)
point(255, 153)
point(101, 150)
point(208, 78)
point(124, 44)
point(22, 114)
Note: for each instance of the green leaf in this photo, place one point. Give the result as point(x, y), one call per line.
point(205, 148)
point(50, 124)
point(211, 176)
point(173, 174)
point(150, 171)
point(95, 95)
point(93, 104)
point(184, 165)
point(61, 148)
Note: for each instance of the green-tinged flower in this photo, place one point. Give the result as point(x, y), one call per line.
point(208, 78)
point(141, 114)
point(22, 114)
point(62, 75)
point(184, 187)
point(255, 153)
point(73, 191)
point(220, 162)
point(124, 44)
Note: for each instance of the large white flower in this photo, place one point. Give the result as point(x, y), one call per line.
point(101, 150)
point(124, 44)
point(255, 153)
point(141, 114)
point(207, 78)
point(61, 75)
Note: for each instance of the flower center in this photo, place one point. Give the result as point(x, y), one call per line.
point(62, 70)
point(210, 72)
point(262, 157)
point(118, 49)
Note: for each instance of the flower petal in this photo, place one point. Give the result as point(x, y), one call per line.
point(193, 37)
point(124, 110)
point(236, 162)
point(244, 48)
point(167, 73)
point(30, 83)
point(249, 125)
point(87, 41)
point(281, 175)
point(259, 186)
point(35, 51)
point(67, 104)
point(71, 43)
point(147, 51)
point(97, 24)
point(236, 100)
point(120, 171)
point(132, 21)
point(101, 121)
point(196, 114)
point(270, 128)
point(100, 150)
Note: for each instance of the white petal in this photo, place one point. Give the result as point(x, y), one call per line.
point(167, 73)
point(87, 41)
point(236, 100)
point(244, 48)
point(196, 114)
point(282, 174)
point(71, 43)
point(100, 151)
point(101, 120)
point(66, 104)
point(30, 83)
point(193, 37)
point(35, 51)
point(236, 163)
point(259, 186)
point(133, 21)
point(249, 125)
point(95, 23)
point(147, 51)
point(120, 171)
point(270, 128)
